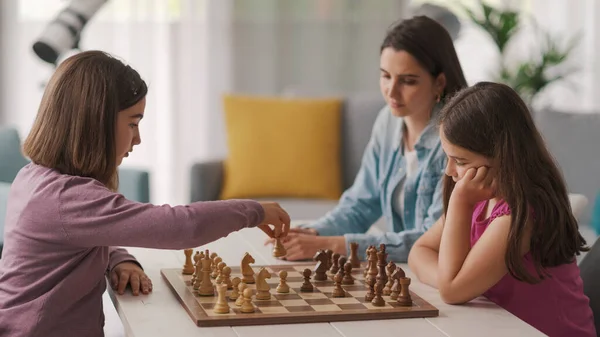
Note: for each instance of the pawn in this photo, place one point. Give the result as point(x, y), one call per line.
point(306, 286)
point(195, 259)
point(278, 249)
point(220, 267)
point(404, 298)
point(235, 292)
point(338, 291)
point(241, 288)
point(226, 277)
point(283, 287)
point(215, 267)
point(247, 305)
point(221, 307)
point(395, 290)
point(378, 301)
point(335, 263)
point(348, 279)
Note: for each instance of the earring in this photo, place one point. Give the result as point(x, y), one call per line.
point(438, 98)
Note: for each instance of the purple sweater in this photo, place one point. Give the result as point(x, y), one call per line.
point(58, 237)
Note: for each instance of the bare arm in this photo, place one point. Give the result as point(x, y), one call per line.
point(424, 255)
point(464, 272)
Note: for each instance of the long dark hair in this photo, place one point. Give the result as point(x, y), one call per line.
point(431, 44)
point(491, 119)
point(74, 131)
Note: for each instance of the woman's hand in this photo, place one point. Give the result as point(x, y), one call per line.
point(293, 231)
point(476, 185)
point(303, 246)
point(276, 217)
point(130, 273)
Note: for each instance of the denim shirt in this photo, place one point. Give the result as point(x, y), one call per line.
point(372, 194)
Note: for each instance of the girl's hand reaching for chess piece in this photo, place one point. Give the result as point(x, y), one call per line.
point(130, 273)
point(276, 217)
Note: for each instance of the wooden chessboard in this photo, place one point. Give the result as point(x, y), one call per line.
point(295, 306)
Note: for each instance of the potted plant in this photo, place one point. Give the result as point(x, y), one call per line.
point(543, 68)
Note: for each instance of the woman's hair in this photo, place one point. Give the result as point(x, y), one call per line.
point(429, 43)
point(74, 131)
point(491, 119)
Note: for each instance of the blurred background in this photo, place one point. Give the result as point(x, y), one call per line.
point(192, 52)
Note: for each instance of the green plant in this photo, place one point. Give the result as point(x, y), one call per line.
point(543, 68)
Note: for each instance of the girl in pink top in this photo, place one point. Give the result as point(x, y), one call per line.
point(507, 232)
point(64, 216)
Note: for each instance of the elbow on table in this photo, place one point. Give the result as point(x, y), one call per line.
point(452, 296)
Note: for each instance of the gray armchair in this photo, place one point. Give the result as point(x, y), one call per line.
point(358, 116)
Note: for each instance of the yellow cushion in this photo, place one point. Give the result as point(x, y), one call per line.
point(282, 147)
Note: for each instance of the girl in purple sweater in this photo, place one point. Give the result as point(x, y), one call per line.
point(507, 232)
point(64, 216)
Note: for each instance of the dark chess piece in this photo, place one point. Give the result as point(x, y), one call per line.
point(354, 260)
point(378, 300)
point(348, 279)
point(329, 254)
point(321, 267)
point(338, 291)
point(370, 282)
point(306, 286)
point(404, 298)
point(335, 263)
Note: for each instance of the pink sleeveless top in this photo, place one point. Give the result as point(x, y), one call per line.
point(557, 306)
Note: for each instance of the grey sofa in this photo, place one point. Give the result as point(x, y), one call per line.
point(358, 115)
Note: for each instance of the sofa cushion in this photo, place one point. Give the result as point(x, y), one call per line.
point(282, 148)
point(4, 190)
point(359, 114)
point(11, 157)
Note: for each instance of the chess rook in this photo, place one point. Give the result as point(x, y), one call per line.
point(404, 298)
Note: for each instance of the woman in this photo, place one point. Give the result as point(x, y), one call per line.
point(403, 164)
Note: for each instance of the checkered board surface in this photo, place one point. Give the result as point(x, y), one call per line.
point(295, 306)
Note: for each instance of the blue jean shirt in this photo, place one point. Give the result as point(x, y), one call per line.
point(371, 196)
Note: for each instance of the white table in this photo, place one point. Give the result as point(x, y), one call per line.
point(160, 314)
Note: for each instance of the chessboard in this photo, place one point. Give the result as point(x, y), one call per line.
point(321, 303)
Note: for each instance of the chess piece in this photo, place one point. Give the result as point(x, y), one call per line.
point(206, 287)
point(247, 271)
point(221, 307)
point(247, 306)
point(370, 282)
point(329, 254)
point(262, 287)
point(354, 255)
point(197, 277)
point(347, 279)
point(226, 273)
point(391, 267)
point(240, 300)
point(196, 258)
point(283, 287)
point(215, 267)
point(404, 298)
point(378, 300)
point(188, 266)
point(306, 286)
point(373, 263)
point(219, 270)
point(321, 267)
point(235, 292)
point(278, 249)
point(395, 290)
point(334, 263)
point(338, 291)
point(381, 264)
point(369, 252)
